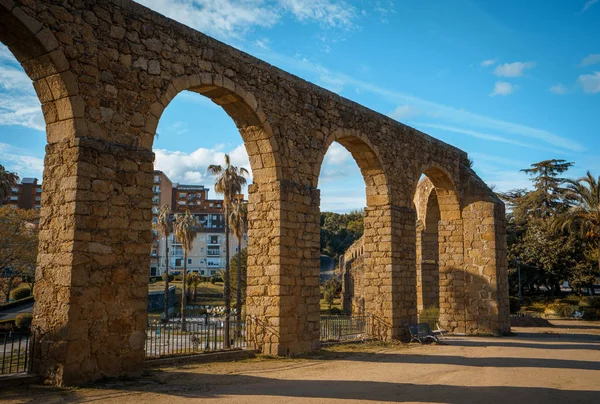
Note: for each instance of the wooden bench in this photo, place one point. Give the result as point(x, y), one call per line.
point(421, 333)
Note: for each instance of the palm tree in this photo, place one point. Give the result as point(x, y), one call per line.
point(584, 216)
point(238, 220)
point(164, 226)
point(229, 183)
point(186, 230)
point(7, 181)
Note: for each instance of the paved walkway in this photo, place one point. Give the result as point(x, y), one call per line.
point(547, 365)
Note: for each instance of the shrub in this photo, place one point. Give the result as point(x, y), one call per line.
point(569, 300)
point(20, 293)
point(23, 321)
point(564, 310)
point(430, 315)
point(171, 277)
point(215, 278)
point(593, 302)
point(335, 311)
point(527, 300)
point(514, 304)
point(591, 314)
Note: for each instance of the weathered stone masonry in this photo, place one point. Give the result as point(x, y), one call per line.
point(104, 72)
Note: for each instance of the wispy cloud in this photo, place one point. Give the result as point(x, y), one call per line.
point(403, 112)
point(482, 135)
point(590, 82)
point(431, 109)
point(19, 104)
point(588, 4)
point(488, 62)
point(21, 161)
point(590, 59)
point(235, 18)
point(337, 155)
point(503, 88)
point(515, 69)
point(558, 89)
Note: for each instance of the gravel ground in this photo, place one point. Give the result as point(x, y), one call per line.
point(537, 365)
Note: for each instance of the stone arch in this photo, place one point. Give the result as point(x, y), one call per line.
point(367, 158)
point(240, 105)
point(440, 247)
point(39, 53)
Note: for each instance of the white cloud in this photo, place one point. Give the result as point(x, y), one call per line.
point(234, 18)
point(488, 62)
point(403, 112)
point(325, 12)
point(590, 59)
point(191, 167)
point(558, 89)
point(503, 88)
point(589, 4)
point(337, 155)
point(515, 69)
point(20, 161)
point(262, 43)
point(590, 82)
point(19, 104)
point(440, 112)
point(484, 136)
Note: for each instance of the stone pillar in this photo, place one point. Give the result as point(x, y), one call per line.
point(486, 269)
point(92, 277)
point(451, 275)
point(283, 268)
point(390, 267)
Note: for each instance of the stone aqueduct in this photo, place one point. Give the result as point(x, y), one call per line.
point(105, 71)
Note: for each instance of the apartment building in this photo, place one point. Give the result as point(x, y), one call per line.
point(209, 249)
point(26, 195)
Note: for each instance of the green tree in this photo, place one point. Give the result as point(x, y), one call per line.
point(583, 216)
point(330, 290)
point(18, 246)
point(339, 231)
point(238, 222)
point(229, 182)
point(7, 181)
point(547, 198)
point(186, 230)
point(164, 225)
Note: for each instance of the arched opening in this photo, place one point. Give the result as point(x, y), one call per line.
point(440, 269)
point(364, 267)
point(37, 51)
point(190, 191)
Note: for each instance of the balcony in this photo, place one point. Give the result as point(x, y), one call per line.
point(213, 251)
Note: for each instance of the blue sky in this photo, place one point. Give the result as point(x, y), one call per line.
point(510, 82)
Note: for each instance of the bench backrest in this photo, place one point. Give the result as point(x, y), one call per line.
point(419, 330)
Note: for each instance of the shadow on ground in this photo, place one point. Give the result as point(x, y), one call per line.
point(186, 385)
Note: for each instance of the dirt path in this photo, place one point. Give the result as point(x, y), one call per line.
point(558, 364)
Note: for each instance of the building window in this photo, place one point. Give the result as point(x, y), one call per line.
point(38, 190)
point(37, 198)
point(156, 178)
point(155, 200)
point(214, 217)
point(14, 198)
point(199, 195)
point(189, 261)
point(15, 190)
point(201, 238)
point(212, 272)
point(210, 204)
point(181, 203)
point(201, 249)
point(182, 194)
point(178, 262)
point(213, 239)
point(156, 189)
point(202, 272)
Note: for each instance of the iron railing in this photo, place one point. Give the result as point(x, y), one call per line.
point(345, 328)
point(199, 335)
point(14, 352)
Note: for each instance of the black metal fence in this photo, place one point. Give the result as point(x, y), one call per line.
point(14, 352)
point(198, 335)
point(346, 328)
